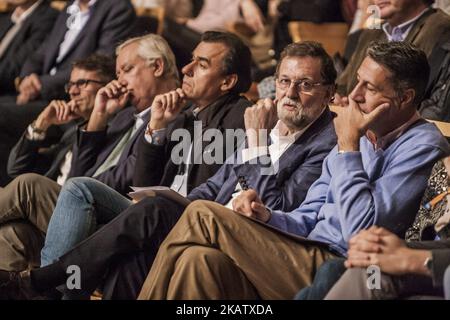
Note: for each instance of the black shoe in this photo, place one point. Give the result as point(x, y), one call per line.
point(17, 286)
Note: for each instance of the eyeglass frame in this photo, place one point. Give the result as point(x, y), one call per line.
point(297, 83)
point(81, 83)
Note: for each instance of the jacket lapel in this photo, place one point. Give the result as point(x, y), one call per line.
point(57, 38)
point(5, 25)
point(130, 144)
point(291, 155)
point(85, 29)
point(417, 27)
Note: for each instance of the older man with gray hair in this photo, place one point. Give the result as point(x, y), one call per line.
point(106, 147)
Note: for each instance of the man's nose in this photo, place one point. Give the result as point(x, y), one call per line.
point(292, 92)
point(122, 81)
point(357, 93)
point(74, 91)
point(187, 69)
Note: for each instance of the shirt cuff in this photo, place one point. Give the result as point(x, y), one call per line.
point(254, 152)
point(33, 135)
point(158, 137)
point(277, 219)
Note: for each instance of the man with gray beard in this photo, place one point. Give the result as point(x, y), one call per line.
point(376, 175)
point(280, 167)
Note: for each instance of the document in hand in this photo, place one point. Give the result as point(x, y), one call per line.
point(139, 193)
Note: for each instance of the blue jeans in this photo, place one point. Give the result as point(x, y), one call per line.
point(83, 205)
point(326, 276)
point(447, 283)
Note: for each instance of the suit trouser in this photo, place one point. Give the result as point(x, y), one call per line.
point(358, 284)
point(20, 246)
point(447, 283)
point(215, 253)
point(133, 238)
point(26, 205)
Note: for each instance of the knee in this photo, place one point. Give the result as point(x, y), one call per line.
point(80, 187)
point(206, 208)
point(27, 180)
point(200, 255)
point(332, 269)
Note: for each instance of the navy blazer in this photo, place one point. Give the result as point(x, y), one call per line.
point(27, 155)
point(298, 167)
point(111, 21)
point(30, 36)
point(91, 149)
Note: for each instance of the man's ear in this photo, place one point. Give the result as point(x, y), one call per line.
point(158, 64)
point(229, 82)
point(407, 97)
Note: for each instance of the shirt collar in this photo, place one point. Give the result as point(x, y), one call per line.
point(400, 32)
point(384, 141)
point(141, 115)
point(90, 3)
point(18, 19)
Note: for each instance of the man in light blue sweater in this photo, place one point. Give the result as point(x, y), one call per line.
point(376, 175)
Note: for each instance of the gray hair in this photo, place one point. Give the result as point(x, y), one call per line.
point(152, 47)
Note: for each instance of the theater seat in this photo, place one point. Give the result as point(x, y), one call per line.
point(333, 35)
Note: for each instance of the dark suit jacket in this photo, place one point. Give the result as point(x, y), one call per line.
point(441, 257)
point(154, 165)
point(91, 149)
point(426, 34)
point(435, 106)
point(33, 31)
point(110, 22)
point(26, 155)
point(284, 189)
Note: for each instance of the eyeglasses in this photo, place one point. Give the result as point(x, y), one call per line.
point(80, 84)
point(300, 86)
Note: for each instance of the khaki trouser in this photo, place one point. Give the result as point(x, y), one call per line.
point(26, 205)
point(362, 284)
point(215, 253)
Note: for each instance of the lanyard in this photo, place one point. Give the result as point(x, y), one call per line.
point(436, 200)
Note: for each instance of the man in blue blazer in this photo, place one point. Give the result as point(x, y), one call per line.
point(281, 168)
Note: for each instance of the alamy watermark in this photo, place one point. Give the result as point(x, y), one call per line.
point(373, 277)
point(213, 146)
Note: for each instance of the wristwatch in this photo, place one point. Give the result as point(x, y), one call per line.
point(156, 137)
point(35, 133)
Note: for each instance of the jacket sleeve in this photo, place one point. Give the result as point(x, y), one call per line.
point(36, 34)
point(85, 151)
point(440, 251)
point(291, 193)
point(24, 156)
point(150, 163)
point(53, 86)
